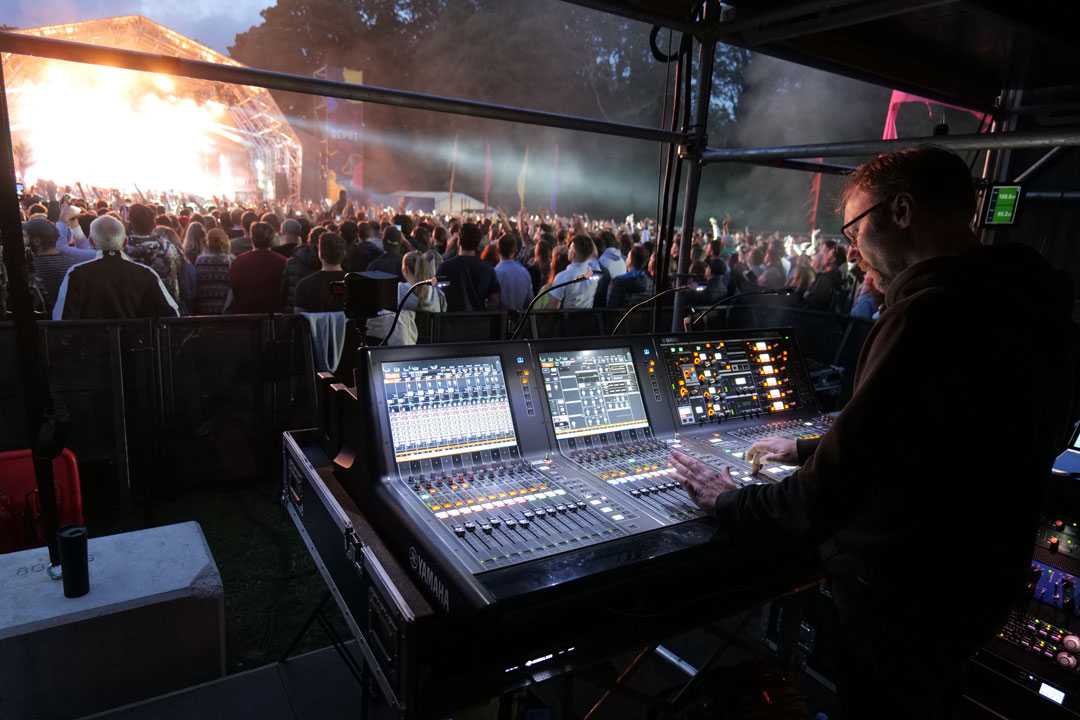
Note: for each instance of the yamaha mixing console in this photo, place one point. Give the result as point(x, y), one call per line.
point(502, 469)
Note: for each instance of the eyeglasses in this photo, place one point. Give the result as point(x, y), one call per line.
point(853, 238)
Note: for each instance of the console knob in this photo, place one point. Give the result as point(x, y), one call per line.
point(1071, 643)
point(1053, 542)
point(1066, 660)
point(1059, 525)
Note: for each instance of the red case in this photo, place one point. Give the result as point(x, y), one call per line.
point(20, 510)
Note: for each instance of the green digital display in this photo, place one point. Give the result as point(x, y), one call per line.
point(1002, 205)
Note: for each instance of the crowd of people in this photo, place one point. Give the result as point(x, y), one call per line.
point(91, 260)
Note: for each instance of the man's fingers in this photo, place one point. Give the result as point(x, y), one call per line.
point(690, 463)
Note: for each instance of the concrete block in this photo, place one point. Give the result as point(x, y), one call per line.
point(153, 622)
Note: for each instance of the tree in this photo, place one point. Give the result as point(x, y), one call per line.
point(537, 54)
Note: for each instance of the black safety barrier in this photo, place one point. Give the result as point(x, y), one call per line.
point(171, 403)
point(461, 326)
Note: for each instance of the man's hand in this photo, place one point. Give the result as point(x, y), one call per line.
point(772, 450)
point(703, 484)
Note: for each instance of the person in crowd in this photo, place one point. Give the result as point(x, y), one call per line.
point(71, 232)
point(869, 300)
point(156, 253)
point(540, 267)
point(186, 275)
point(212, 285)
point(560, 260)
point(440, 239)
point(112, 287)
point(421, 238)
point(698, 270)
point(350, 233)
point(304, 262)
point(230, 223)
point(515, 282)
point(368, 247)
point(611, 258)
point(579, 295)
point(632, 286)
point(256, 275)
point(194, 241)
point(314, 293)
point(827, 278)
point(273, 221)
point(416, 266)
point(716, 280)
point(473, 284)
point(773, 276)
point(290, 238)
point(389, 261)
point(243, 242)
point(50, 265)
point(802, 276)
point(490, 254)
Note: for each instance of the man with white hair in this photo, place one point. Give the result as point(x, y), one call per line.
point(111, 286)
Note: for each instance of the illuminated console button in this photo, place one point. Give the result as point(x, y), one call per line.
point(1054, 542)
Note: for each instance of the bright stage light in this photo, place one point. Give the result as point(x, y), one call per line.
point(115, 128)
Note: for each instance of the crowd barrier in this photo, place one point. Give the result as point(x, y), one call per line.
point(170, 403)
point(174, 402)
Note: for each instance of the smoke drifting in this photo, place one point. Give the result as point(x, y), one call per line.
point(788, 104)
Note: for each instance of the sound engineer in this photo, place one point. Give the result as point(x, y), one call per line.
point(924, 495)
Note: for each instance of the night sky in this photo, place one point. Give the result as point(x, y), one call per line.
point(212, 22)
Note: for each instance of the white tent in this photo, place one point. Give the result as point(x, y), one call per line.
point(438, 202)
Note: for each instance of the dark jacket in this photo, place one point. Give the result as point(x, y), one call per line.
point(303, 262)
point(965, 391)
point(360, 256)
point(388, 262)
point(111, 287)
point(255, 280)
point(631, 287)
point(822, 291)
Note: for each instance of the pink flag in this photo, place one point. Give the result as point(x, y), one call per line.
point(899, 98)
point(487, 173)
point(815, 197)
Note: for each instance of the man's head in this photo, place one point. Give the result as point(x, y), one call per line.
point(470, 238)
point(272, 220)
point(248, 219)
point(508, 246)
point(331, 249)
point(41, 235)
point(142, 219)
point(637, 259)
point(261, 235)
point(291, 229)
point(349, 232)
point(584, 248)
point(908, 206)
point(107, 233)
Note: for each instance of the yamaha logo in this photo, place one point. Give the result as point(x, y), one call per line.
point(429, 578)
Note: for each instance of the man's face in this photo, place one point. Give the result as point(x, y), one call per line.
point(878, 239)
